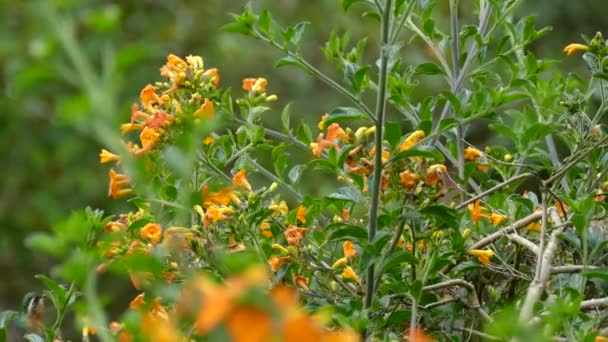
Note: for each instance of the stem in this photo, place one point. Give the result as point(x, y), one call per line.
point(95, 310)
point(493, 189)
point(456, 68)
point(59, 319)
point(379, 139)
point(317, 73)
point(274, 178)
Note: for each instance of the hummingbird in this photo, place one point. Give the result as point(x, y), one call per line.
point(34, 309)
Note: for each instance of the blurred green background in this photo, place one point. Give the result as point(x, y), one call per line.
point(70, 69)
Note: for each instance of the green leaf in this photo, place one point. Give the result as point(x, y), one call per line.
point(303, 133)
point(398, 258)
point(264, 21)
point(8, 316)
point(345, 114)
point(295, 173)
point(428, 69)
point(347, 193)
point(422, 151)
point(33, 338)
point(289, 60)
point(343, 231)
point(441, 214)
point(59, 291)
point(393, 133)
point(285, 118)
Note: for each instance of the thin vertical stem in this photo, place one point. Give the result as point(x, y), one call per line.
point(456, 71)
point(379, 139)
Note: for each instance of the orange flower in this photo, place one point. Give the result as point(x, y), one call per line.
point(471, 153)
point(159, 119)
point(152, 232)
point(148, 97)
point(349, 273)
point(256, 85)
point(276, 262)
point(208, 140)
point(250, 324)
point(106, 156)
point(148, 138)
point(433, 174)
point(240, 180)
point(409, 179)
point(214, 76)
point(196, 62)
point(265, 228)
point(334, 131)
point(137, 302)
point(301, 214)
point(301, 282)
point(294, 235)
point(411, 140)
point(483, 255)
point(117, 183)
point(206, 110)
point(216, 213)
point(571, 49)
point(476, 211)
point(221, 197)
point(385, 154)
point(348, 249)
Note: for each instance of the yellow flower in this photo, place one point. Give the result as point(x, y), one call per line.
point(571, 49)
point(281, 207)
point(280, 248)
point(349, 273)
point(301, 214)
point(321, 124)
point(216, 213)
point(206, 110)
point(534, 226)
point(411, 140)
point(208, 140)
point(497, 219)
point(240, 180)
point(129, 127)
point(152, 232)
point(340, 262)
point(349, 251)
point(483, 255)
point(265, 228)
point(257, 85)
point(471, 153)
point(148, 138)
point(221, 197)
point(148, 97)
point(106, 156)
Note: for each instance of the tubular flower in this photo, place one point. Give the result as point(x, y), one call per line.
point(106, 156)
point(152, 232)
point(221, 197)
point(349, 273)
point(433, 174)
point(148, 138)
point(571, 49)
point(301, 282)
point(196, 62)
point(208, 140)
point(321, 124)
point(483, 255)
point(117, 183)
point(214, 76)
point(348, 249)
point(294, 235)
point(257, 85)
point(340, 262)
point(148, 97)
point(301, 214)
point(174, 70)
point(334, 131)
point(281, 207)
point(497, 219)
point(206, 110)
point(240, 180)
point(129, 127)
point(411, 140)
point(265, 229)
point(534, 226)
point(275, 262)
point(471, 153)
point(476, 211)
point(409, 179)
point(385, 154)
point(216, 213)
point(159, 119)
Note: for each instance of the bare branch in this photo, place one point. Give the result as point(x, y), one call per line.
point(595, 303)
point(506, 230)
